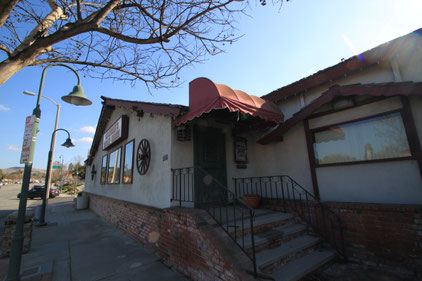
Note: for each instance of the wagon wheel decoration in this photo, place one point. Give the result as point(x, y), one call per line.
point(143, 156)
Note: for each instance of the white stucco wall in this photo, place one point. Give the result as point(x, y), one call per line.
point(356, 113)
point(387, 182)
point(153, 188)
point(288, 157)
point(262, 160)
point(181, 151)
point(181, 156)
point(283, 158)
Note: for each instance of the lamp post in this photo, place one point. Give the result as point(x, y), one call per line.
point(61, 173)
point(53, 143)
point(76, 97)
point(67, 144)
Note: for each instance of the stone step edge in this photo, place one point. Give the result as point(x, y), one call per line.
point(301, 267)
point(288, 230)
point(287, 249)
point(247, 217)
point(270, 220)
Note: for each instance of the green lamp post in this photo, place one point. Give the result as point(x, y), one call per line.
point(76, 97)
point(68, 143)
point(52, 146)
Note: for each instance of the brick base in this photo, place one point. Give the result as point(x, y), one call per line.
point(383, 235)
point(186, 239)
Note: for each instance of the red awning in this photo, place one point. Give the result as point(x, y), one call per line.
point(205, 95)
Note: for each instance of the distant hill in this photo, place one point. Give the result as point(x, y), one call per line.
point(14, 169)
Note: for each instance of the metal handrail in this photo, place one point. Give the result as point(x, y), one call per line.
point(294, 192)
point(221, 211)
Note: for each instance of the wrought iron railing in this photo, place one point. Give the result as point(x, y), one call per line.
point(230, 212)
point(294, 198)
point(183, 185)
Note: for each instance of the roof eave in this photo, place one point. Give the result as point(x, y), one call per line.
point(367, 59)
point(381, 89)
point(110, 104)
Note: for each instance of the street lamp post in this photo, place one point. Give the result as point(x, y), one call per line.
point(76, 97)
point(61, 173)
point(67, 144)
point(53, 143)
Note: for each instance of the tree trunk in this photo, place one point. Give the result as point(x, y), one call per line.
point(8, 68)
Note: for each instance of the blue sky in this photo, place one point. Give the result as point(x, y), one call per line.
point(279, 47)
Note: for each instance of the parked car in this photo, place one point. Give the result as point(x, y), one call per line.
point(54, 191)
point(38, 191)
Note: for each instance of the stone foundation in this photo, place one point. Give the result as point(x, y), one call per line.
point(184, 238)
point(380, 235)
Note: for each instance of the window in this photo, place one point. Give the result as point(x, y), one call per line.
point(114, 166)
point(381, 137)
point(128, 163)
point(104, 169)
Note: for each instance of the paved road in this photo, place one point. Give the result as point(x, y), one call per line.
point(10, 203)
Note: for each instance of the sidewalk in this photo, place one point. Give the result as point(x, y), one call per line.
point(80, 246)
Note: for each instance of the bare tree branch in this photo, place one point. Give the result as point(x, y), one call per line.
point(133, 40)
point(5, 8)
point(128, 38)
point(52, 4)
point(78, 2)
point(101, 14)
point(41, 29)
point(5, 49)
point(87, 63)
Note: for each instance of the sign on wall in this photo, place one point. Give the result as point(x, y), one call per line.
point(240, 152)
point(116, 133)
point(27, 139)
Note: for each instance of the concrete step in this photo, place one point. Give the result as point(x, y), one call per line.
point(229, 214)
point(281, 233)
point(267, 221)
point(272, 257)
point(301, 267)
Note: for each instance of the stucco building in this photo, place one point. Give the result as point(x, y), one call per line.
point(344, 141)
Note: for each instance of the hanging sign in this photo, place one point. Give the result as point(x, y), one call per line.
point(116, 133)
point(27, 139)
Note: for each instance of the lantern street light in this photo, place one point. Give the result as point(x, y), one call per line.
point(76, 97)
point(68, 143)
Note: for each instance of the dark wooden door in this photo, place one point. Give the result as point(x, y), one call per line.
point(209, 155)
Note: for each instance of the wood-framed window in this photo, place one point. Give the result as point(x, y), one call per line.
point(103, 169)
point(114, 167)
point(128, 162)
point(371, 139)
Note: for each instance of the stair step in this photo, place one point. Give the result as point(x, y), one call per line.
point(264, 219)
point(278, 232)
point(270, 256)
point(303, 266)
point(230, 213)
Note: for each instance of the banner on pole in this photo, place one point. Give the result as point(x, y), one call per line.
point(27, 139)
